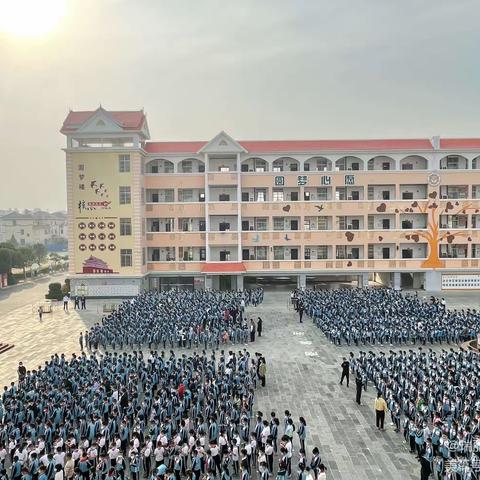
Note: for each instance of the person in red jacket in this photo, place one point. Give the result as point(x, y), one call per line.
point(181, 390)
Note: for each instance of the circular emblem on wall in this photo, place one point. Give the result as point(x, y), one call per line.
point(111, 236)
point(434, 179)
point(82, 247)
point(111, 225)
point(92, 236)
point(82, 236)
point(92, 247)
point(81, 225)
point(102, 247)
point(101, 236)
point(112, 247)
point(101, 225)
point(91, 225)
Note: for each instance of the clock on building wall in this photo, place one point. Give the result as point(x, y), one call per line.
point(434, 179)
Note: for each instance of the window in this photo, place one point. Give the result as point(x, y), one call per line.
point(260, 195)
point(323, 223)
point(306, 224)
point(245, 196)
point(407, 166)
point(386, 166)
point(322, 193)
point(22, 231)
point(203, 254)
point(261, 224)
point(224, 197)
point(125, 226)
point(278, 253)
point(322, 252)
point(185, 195)
point(125, 196)
point(277, 195)
point(124, 163)
point(126, 257)
point(278, 223)
point(307, 253)
point(260, 253)
point(294, 196)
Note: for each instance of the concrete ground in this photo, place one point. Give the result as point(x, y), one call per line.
point(303, 371)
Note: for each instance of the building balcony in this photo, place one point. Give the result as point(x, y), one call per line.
point(181, 181)
point(223, 208)
point(184, 239)
point(175, 209)
point(222, 178)
point(222, 238)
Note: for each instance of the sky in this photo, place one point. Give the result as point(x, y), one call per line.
point(258, 69)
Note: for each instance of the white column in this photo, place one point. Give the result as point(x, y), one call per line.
point(239, 211)
point(302, 281)
point(239, 282)
point(207, 219)
point(397, 281)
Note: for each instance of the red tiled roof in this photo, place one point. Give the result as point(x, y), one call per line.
point(223, 267)
point(267, 146)
point(131, 120)
point(453, 143)
point(321, 145)
point(174, 147)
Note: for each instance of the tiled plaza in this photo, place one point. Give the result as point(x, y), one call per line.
point(302, 376)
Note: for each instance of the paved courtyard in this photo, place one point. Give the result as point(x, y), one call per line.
point(302, 376)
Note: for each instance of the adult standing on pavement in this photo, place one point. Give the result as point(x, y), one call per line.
point(262, 370)
point(65, 303)
point(259, 326)
point(359, 385)
point(345, 371)
point(380, 409)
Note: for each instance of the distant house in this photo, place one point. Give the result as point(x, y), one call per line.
point(34, 226)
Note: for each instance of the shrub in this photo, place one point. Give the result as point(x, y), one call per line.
point(66, 287)
point(54, 291)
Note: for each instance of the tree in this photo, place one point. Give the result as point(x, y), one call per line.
point(40, 252)
point(24, 257)
point(5, 260)
point(432, 234)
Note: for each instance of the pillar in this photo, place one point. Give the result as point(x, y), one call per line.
point(397, 281)
point(239, 282)
point(208, 282)
point(433, 281)
point(362, 280)
point(302, 281)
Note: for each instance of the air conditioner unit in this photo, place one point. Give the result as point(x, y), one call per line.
point(349, 198)
point(349, 226)
point(444, 196)
point(250, 170)
point(349, 169)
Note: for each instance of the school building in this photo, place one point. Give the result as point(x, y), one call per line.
point(228, 213)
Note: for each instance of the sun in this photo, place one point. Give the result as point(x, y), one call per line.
point(30, 18)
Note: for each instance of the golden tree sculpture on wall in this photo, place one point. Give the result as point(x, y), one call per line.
point(432, 234)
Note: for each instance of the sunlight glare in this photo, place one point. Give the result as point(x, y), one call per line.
point(30, 18)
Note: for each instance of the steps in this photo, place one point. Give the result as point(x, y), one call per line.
point(5, 347)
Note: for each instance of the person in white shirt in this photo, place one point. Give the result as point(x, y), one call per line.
point(265, 432)
point(59, 457)
point(158, 454)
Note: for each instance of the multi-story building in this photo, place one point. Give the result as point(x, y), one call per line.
point(34, 226)
point(216, 213)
